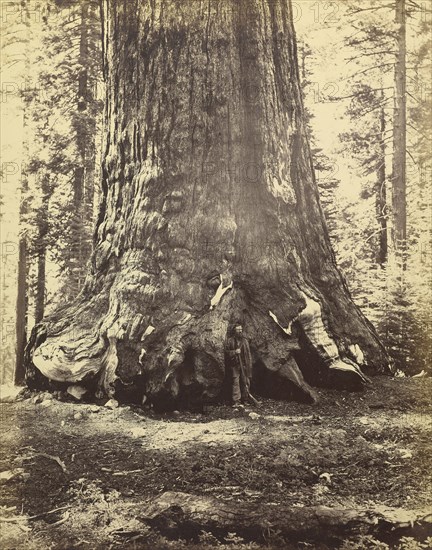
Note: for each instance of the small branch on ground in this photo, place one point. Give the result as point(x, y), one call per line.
point(56, 459)
point(17, 519)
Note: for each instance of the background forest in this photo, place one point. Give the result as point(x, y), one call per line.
point(365, 70)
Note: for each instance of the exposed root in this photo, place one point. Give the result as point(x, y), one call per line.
point(181, 360)
point(311, 321)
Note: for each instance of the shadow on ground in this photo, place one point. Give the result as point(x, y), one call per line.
point(86, 476)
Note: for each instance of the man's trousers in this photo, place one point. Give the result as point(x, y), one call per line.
point(240, 385)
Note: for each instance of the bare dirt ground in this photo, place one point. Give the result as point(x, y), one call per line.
point(83, 473)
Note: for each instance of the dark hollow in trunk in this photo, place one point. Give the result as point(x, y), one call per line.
point(210, 213)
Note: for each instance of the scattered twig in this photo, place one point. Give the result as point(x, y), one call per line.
point(14, 519)
point(9, 509)
point(38, 516)
point(121, 532)
point(56, 459)
point(64, 519)
point(10, 475)
point(17, 519)
point(126, 472)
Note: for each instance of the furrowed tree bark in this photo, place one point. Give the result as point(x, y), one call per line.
point(210, 215)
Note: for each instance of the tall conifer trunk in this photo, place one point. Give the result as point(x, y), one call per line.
point(41, 252)
point(23, 275)
point(82, 142)
point(399, 139)
point(21, 319)
point(381, 193)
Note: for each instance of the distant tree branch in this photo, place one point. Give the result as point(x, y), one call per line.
point(418, 131)
point(368, 69)
point(383, 40)
point(415, 79)
point(375, 107)
point(11, 64)
point(372, 53)
point(375, 8)
point(356, 94)
point(374, 234)
point(421, 8)
point(13, 32)
point(415, 99)
point(72, 21)
point(412, 158)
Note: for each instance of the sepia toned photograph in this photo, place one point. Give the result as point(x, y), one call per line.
point(216, 274)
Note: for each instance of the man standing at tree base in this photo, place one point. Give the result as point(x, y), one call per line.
point(239, 362)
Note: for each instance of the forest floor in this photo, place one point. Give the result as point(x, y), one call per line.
point(87, 472)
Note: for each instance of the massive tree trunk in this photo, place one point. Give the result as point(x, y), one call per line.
point(210, 215)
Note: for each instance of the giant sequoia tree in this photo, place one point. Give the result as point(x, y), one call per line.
point(210, 215)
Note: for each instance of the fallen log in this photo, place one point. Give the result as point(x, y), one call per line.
point(182, 515)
